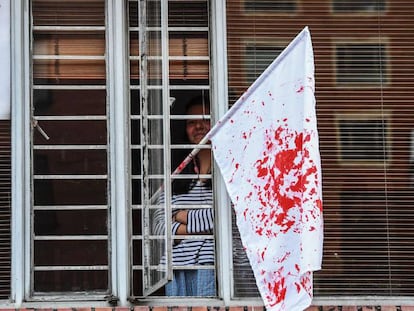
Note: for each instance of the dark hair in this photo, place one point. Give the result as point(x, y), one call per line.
point(203, 99)
point(181, 186)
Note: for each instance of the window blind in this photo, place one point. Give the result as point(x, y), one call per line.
point(5, 208)
point(364, 92)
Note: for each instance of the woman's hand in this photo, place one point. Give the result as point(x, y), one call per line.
point(181, 217)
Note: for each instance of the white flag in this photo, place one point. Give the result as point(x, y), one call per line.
point(266, 147)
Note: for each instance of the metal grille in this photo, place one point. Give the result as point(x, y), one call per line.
point(174, 72)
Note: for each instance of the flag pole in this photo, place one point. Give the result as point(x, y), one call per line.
point(184, 163)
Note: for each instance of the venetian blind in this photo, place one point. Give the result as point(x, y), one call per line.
point(364, 92)
point(5, 208)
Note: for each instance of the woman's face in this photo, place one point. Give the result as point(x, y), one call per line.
point(197, 128)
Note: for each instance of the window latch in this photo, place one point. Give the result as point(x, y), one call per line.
point(35, 124)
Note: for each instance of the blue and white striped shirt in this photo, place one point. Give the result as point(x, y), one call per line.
point(200, 221)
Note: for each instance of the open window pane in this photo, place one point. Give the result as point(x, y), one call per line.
point(158, 126)
point(147, 145)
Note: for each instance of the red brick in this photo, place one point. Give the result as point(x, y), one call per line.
point(179, 308)
point(102, 309)
point(312, 308)
point(159, 308)
point(349, 308)
point(330, 308)
point(122, 309)
point(407, 308)
point(255, 308)
point(82, 309)
point(141, 308)
point(388, 308)
point(368, 308)
point(199, 308)
point(236, 308)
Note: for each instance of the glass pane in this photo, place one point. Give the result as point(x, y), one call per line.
point(84, 132)
point(69, 102)
point(147, 138)
point(62, 69)
point(136, 191)
point(71, 253)
point(70, 281)
point(191, 14)
point(69, 43)
point(188, 66)
point(70, 222)
point(70, 192)
point(70, 162)
point(189, 69)
point(68, 13)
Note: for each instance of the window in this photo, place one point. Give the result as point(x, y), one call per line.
point(99, 89)
point(361, 63)
point(106, 133)
point(358, 6)
point(363, 138)
point(269, 5)
point(160, 88)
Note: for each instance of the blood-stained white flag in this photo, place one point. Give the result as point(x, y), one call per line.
point(267, 149)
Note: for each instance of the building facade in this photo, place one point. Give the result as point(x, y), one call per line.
point(98, 94)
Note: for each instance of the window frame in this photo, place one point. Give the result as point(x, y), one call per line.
point(117, 85)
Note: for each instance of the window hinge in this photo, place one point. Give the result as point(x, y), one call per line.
point(113, 300)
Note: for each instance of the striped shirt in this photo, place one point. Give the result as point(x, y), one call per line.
point(199, 221)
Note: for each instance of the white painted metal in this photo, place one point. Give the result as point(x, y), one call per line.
point(119, 161)
point(220, 106)
point(20, 151)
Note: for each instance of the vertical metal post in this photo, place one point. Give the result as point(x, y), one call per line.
point(144, 137)
point(118, 128)
point(166, 132)
point(20, 97)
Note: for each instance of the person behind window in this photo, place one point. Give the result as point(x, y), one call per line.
point(193, 221)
